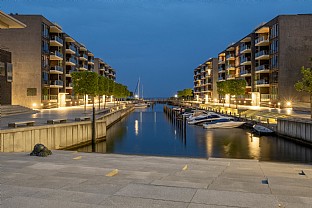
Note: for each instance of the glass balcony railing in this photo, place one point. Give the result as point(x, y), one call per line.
point(261, 39)
point(220, 78)
point(262, 67)
point(71, 47)
point(57, 53)
point(56, 82)
point(57, 39)
point(84, 66)
point(245, 59)
point(53, 97)
point(262, 81)
point(220, 69)
point(230, 56)
point(265, 96)
point(221, 60)
point(244, 72)
point(230, 76)
point(91, 60)
point(84, 56)
point(72, 59)
point(230, 66)
point(57, 68)
point(262, 53)
point(245, 47)
point(69, 85)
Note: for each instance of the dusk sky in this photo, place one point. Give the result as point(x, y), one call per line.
point(161, 41)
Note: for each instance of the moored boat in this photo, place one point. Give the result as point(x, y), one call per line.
point(262, 130)
point(222, 123)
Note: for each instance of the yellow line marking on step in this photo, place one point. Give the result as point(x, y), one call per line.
point(112, 173)
point(77, 158)
point(185, 167)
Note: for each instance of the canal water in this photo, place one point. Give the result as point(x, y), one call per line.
point(150, 132)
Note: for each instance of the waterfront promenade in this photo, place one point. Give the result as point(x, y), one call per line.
point(73, 179)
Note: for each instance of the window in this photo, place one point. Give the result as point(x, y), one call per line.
point(31, 91)
point(2, 69)
point(45, 61)
point(45, 30)
point(9, 72)
point(45, 77)
point(45, 46)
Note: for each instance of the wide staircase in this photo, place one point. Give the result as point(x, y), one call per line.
point(9, 110)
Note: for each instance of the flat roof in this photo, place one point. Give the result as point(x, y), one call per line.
point(7, 22)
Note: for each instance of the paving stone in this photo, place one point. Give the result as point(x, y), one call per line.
point(229, 198)
point(157, 192)
point(130, 202)
point(232, 185)
point(29, 202)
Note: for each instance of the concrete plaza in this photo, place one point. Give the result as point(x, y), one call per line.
point(73, 179)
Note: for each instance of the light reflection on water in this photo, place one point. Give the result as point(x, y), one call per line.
point(150, 132)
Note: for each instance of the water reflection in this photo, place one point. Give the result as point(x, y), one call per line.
point(155, 134)
point(136, 127)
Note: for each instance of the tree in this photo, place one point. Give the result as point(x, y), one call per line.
point(85, 83)
point(236, 87)
point(305, 85)
point(222, 89)
point(102, 88)
point(186, 93)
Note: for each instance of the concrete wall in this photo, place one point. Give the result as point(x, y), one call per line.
point(295, 49)
point(296, 128)
point(53, 136)
point(25, 45)
point(57, 136)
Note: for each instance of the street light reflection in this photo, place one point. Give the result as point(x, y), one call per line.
point(136, 127)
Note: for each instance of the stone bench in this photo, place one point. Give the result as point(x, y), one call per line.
point(19, 123)
point(53, 121)
point(83, 119)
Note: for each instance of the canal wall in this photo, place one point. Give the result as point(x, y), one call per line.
point(58, 136)
point(299, 129)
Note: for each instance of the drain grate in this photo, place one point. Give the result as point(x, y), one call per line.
point(266, 181)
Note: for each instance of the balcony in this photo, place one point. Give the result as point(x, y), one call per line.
point(245, 73)
point(230, 76)
point(71, 61)
point(91, 61)
point(230, 57)
point(55, 28)
point(83, 67)
point(262, 69)
point(230, 67)
point(221, 69)
point(245, 61)
point(83, 57)
point(102, 68)
point(265, 97)
point(56, 84)
point(69, 86)
point(262, 41)
point(68, 97)
point(262, 55)
point(56, 56)
point(221, 79)
point(262, 83)
point(82, 48)
point(221, 61)
point(56, 70)
point(56, 41)
point(245, 49)
point(71, 50)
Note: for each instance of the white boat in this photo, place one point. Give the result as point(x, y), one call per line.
point(222, 123)
point(262, 129)
point(141, 105)
point(207, 118)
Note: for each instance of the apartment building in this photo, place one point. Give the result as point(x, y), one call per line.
point(6, 78)
point(205, 78)
point(104, 69)
point(269, 59)
point(43, 58)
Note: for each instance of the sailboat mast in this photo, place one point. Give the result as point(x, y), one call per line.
point(139, 89)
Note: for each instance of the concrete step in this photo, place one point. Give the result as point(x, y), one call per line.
point(9, 110)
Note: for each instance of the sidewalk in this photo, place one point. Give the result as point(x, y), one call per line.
point(71, 179)
point(55, 113)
